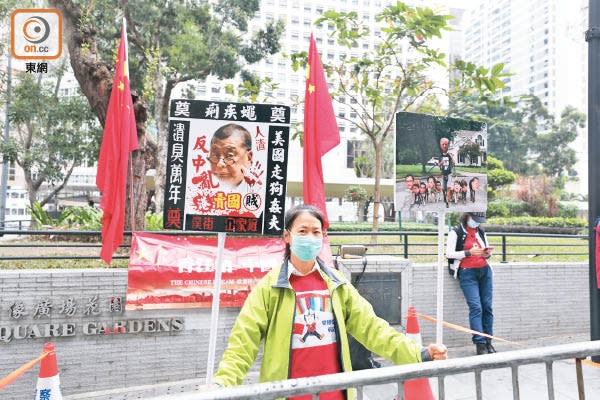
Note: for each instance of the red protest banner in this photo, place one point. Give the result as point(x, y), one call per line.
point(178, 272)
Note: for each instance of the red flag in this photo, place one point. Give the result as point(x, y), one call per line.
point(120, 138)
point(321, 134)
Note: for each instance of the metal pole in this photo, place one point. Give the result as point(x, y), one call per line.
point(214, 316)
point(4, 182)
point(592, 36)
point(440, 280)
point(400, 224)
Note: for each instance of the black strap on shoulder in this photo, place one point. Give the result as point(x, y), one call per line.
point(359, 276)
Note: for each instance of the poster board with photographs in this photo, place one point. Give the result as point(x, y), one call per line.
point(226, 167)
point(440, 164)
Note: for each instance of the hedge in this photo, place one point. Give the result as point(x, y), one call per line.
point(555, 222)
point(383, 227)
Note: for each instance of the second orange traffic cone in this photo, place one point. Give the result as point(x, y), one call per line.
point(417, 389)
point(48, 384)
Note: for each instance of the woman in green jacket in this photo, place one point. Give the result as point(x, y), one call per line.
point(303, 312)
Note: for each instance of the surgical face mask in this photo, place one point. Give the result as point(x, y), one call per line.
point(306, 248)
point(472, 223)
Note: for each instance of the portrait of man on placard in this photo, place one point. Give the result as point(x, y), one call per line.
point(228, 168)
point(230, 157)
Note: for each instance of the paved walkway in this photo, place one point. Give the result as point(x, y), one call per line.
point(497, 384)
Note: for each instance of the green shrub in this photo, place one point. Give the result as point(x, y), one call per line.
point(42, 219)
point(154, 221)
point(383, 227)
point(85, 218)
point(555, 222)
point(567, 211)
point(494, 163)
point(497, 208)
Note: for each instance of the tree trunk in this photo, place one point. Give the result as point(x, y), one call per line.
point(377, 195)
point(161, 145)
point(94, 77)
point(31, 190)
point(138, 162)
point(95, 80)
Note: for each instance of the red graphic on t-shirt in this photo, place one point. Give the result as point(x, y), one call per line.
point(314, 342)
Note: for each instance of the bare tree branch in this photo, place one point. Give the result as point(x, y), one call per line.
point(60, 187)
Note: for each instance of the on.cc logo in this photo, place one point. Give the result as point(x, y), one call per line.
point(36, 29)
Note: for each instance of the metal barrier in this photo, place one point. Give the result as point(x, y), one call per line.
point(405, 243)
point(503, 235)
point(400, 374)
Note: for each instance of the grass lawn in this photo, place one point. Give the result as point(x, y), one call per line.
point(479, 170)
point(415, 170)
point(428, 245)
point(422, 249)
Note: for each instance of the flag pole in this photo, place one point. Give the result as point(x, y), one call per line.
point(131, 203)
point(440, 279)
point(214, 315)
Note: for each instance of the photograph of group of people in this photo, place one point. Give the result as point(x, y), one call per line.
point(440, 164)
point(428, 190)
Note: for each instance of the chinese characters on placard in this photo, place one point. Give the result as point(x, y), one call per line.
point(226, 170)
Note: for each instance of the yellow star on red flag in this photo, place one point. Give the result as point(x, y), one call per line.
point(121, 86)
point(311, 88)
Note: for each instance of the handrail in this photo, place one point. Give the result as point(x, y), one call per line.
point(398, 374)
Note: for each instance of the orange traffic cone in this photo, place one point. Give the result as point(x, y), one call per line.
point(48, 384)
point(417, 389)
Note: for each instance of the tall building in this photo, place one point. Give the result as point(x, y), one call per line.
point(299, 17)
point(542, 43)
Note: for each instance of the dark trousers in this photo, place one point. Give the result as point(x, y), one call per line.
point(476, 284)
point(445, 187)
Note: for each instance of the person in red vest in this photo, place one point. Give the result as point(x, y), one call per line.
point(467, 245)
point(304, 291)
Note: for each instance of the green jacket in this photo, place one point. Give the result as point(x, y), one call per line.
point(268, 314)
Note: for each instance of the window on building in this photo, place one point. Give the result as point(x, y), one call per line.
point(295, 20)
point(330, 42)
point(354, 149)
point(319, 10)
point(11, 171)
